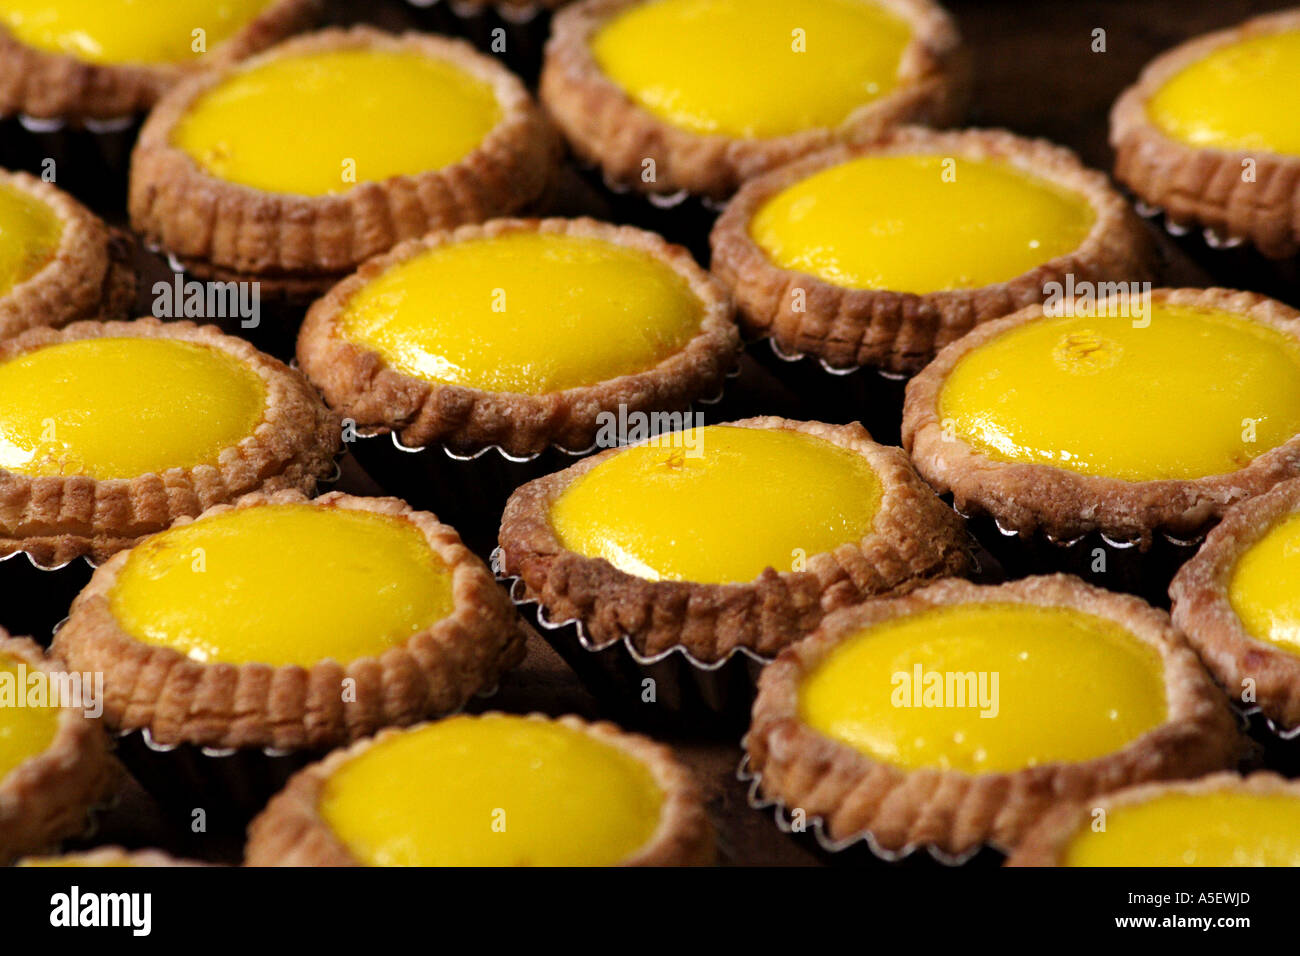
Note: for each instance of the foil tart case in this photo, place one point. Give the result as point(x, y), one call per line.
point(690, 696)
point(860, 850)
point(91, 158)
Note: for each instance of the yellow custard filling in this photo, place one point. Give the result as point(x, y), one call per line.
point(145, 32)
point(985, 688)
point(29, 236)
point(920, 223)
point(753, 68)
point(1219, 828)
point(492, 791)
point(719, 504)
point(319, 123)
point(1193, 393)
point(1264, 589)
point(1242, 96)
point(121, 407)
point(525, 312)
point(24, 731)
point(283, 585)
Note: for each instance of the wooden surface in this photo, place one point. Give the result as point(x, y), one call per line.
point(1036, 74)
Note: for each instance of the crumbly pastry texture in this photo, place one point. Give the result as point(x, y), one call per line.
point(304, 243)
point(605, 127)
point(49, 85)
point(1204, 185)
point(1203, 611)
point(358, 383)
point(180, 700)
point(291, 832)
point(956, 812)
point(89, 277)
point(1026, 498)
point(56, 518)
point(1046, 843)
point(901, 331)
point(915, 538)
point(48, 797)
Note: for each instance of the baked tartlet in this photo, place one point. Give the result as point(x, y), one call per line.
point(727, 537)
point(495, 790)
point(875, 724)
point(390, 137)
point(1238, 602)
point(699, 95)
point(54, 763)
point(1208, 135)
point(291, 623)
point(58, 261)
point(1117, 427)
point(109, 431)
point(105, 59)
point(880, 255)
point(1220, 820)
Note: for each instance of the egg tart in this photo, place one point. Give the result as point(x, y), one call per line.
point(880, 255)
point(58, 261)
point(1221, 820)
point(54, 763)
point(104, 59)
point(1238, 602)
point(1132, 422)
point(297, 165)
point(876, 724)
point(699, 95)
point(1208, 134)
point(457, 338)
point(288, 623)
point(109, 431)
point(727, 537)
point(494, 790)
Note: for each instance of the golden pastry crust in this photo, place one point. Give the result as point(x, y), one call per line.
point(606, 127)
point(1203, 610)
point(901, 331)
point(50, 85)
point(291, 832)
point(1202, 184)
point(952, 811)
point(283, 237)
point(180, 700)
point(111, 856)
point(88, 277)
point(57, 518)
point(1064, 504)
point(915, 538)
point(47, 797)
point(1046, 843)
point(360, 385)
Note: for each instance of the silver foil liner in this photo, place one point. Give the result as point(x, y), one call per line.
point(860, 849)
point(838, 395)
point(515, 34)
point(690, 695)
point(231, 785)
point(34, 598)
point(1126, 566)
point(90, 159)
point(1231, 261)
